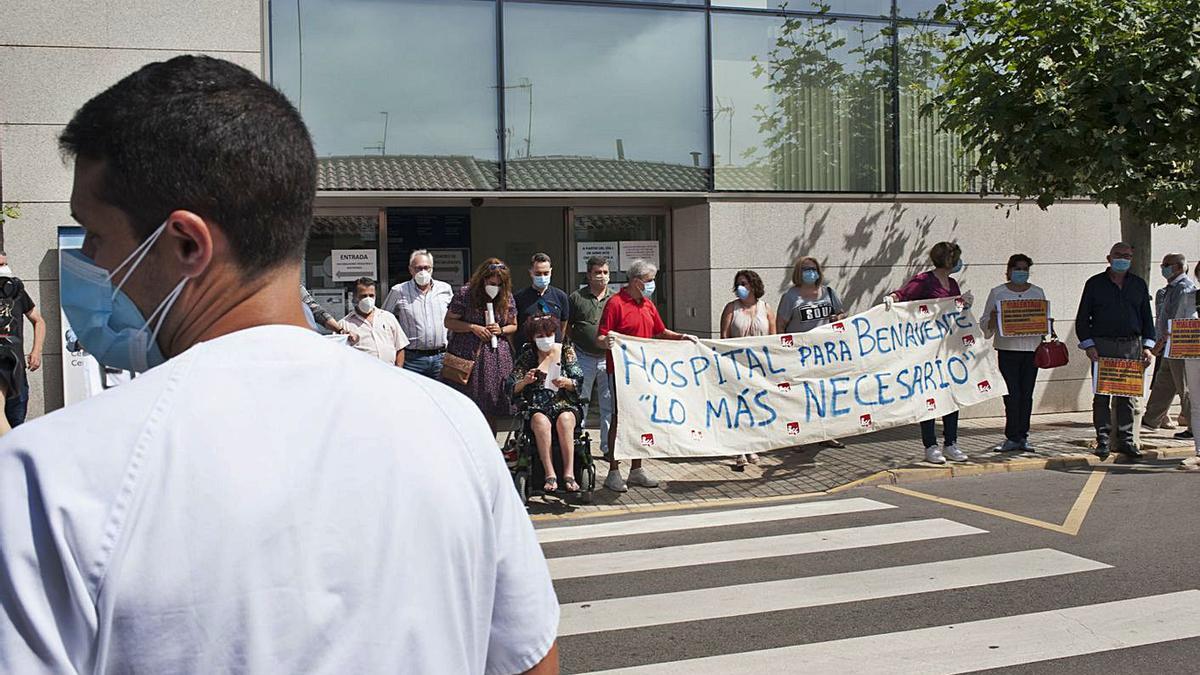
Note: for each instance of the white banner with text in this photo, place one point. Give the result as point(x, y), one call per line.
point(882, 368)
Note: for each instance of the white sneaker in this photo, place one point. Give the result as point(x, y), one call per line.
point(614, 481)
point(954, 454)
point(1191, 463)
point(639, 476)
point(933, 455)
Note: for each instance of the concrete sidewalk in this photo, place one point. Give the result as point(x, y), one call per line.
point(889, 456)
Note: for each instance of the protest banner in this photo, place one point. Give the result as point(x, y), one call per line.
point(1024, 318)
point(1184, 342)
point(1118, 377)
point(871, 371)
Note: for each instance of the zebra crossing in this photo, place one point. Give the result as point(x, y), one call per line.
point(986, 641)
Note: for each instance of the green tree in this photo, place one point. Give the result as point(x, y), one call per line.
point(1068, 98)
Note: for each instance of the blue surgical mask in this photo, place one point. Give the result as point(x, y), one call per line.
point(107, 322)
point(1020, 276)
point(810, 276)
point(958, 266)
point(742, 292)
point(648, 288)
point(1121, 264)
point(540, 282)
point(1168, 271)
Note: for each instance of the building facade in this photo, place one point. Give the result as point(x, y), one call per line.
point(714, 136)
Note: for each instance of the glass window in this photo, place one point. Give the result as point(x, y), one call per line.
point(330, 233)
point(800, 103)
point(604, 98)
point(931, 160)
point(398, 95)
point(698, 3)
point(863, 7)
point(915, 9)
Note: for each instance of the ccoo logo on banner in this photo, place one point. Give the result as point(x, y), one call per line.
point(875, 370)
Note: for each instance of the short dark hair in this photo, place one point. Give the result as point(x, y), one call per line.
point(539, 258)
point(945, 254)
point(1019, 258)
point(365, 282)
point(756, 283)
point(541, 323)
point(207, 136)
point(596, 261)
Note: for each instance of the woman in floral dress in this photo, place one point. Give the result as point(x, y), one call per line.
point(472, 336)
point(550, 409)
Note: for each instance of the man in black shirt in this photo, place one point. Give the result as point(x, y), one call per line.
point(1114, 321)
point(15, 307)
point(540, 298)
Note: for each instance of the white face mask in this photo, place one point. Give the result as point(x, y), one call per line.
point(366, 305)
point(6, 271)
point(492, 290)
point(544, 343)
point(423, 277)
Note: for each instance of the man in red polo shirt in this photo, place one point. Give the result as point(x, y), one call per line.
point(631, 313)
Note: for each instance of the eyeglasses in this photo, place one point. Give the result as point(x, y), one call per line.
point(497, 266)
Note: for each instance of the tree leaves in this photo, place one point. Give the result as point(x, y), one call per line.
point(1064, 98)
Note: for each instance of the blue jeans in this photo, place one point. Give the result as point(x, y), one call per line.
point(16, 408)
point(428, 365)
point(595, 373)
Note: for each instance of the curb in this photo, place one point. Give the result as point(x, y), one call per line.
point(1059, 463)
point(885, 477)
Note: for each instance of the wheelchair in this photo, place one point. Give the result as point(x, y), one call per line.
point(520, 453)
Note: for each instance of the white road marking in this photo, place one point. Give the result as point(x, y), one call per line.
point(969, 647)
point(739, 600)
point(692, 521)
point(732, 550)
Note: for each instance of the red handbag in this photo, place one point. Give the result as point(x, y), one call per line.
point(1051, 353)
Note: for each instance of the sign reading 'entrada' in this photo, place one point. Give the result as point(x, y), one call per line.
point(351, 264)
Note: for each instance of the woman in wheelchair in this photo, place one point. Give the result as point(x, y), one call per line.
point(549, 405)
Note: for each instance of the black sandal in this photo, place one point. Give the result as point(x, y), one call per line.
point(551, 484)
point(570, 484)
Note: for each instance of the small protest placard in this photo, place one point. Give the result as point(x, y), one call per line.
point(1024, 318)
point(1184, 342)
point(1118, 377)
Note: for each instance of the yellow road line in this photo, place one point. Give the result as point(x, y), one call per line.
point(1069, 526)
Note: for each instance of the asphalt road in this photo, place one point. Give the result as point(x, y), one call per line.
point(873, 580)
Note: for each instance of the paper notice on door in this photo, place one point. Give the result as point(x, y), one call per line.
point(635, 250)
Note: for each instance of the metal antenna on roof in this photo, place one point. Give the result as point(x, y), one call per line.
point(382, 147)
point(527, 85)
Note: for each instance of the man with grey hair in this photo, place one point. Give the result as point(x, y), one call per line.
point(1114, 321)
point(1170, 379)
point(420, 306)
point(631, 313)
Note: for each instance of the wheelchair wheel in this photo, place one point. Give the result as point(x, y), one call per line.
point(521, 482)
point(588, 485)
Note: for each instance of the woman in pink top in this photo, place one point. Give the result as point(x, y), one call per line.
point(937, 283)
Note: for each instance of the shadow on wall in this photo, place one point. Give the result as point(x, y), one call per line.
point(881, 242)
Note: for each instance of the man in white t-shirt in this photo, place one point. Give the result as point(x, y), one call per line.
point(374, 332)
point(232, 510)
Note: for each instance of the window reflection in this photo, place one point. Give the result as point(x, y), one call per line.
point(604, 98)
point(863, 7)
point(931, 160)
point(800, 103)
point(398, 94)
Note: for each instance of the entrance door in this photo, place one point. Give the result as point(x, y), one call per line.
point(622, 235)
